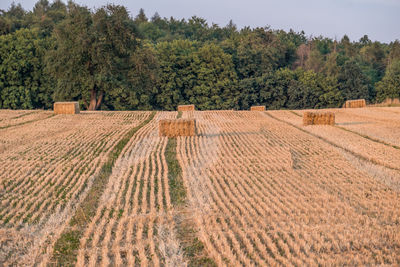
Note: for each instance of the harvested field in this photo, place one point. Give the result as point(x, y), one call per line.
point(7, 114)
point(376, 123)
point(376, 152)
point(15, 118)
point(134, 220)
point(251, 188)
point(270, 194)
point(46, 168)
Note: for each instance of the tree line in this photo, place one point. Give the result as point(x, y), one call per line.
point(106, 59)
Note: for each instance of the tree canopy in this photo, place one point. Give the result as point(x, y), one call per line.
point(107, 59)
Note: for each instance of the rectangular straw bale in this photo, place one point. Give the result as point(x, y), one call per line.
point(257, 108)
point(185, 107)
point(318, 118)
point(177, 127)
point(66, 108)
point(358, 103)
point(391, 101)
point(307, 118)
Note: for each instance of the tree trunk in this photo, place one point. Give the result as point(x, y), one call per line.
point(85, 103)
point(93, 101)
point(99, 99)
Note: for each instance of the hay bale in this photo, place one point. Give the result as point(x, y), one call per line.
point(318, 118)
point(177, 127)
point(66, 108)
point(185, 107)
point(257, 108)
point(391, 101)
point(358, 103)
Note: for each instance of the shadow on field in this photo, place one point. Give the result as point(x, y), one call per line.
point(354, 123)
point(229, 134)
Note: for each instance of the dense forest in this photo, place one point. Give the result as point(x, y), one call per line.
point(108, 59)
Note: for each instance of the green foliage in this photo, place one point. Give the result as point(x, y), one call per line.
point(92, 54)
point(176, 187)
point(315, 61)
point(105, 59)
point(22, 83)
point(66, 247)
point(13, 19)
point(151, 31)
point(394, 53)
point(256, 52)
point(190, 74)
point(139, 89)
point(274, 88)
point(313, 90)
point(141, 17)
point(389, 87)
point(290, 89)
point(353, 84)
point(215, 79)
point(176, 75)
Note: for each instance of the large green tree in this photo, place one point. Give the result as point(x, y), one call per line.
point(353, 84)
point(191, 73)
point(13, 19)
point(313, 90)
point(389, 87)
point(46, 15)
point(215, 79)
point(256, 52)
point(270, 89)
point(176, 78)
point(139, 89)
point(92, 54)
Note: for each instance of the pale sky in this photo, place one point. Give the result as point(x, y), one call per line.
point(379, 19)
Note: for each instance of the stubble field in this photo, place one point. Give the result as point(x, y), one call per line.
point(251, 188)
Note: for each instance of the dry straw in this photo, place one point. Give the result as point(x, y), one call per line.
point(177, 127)
point(358, 103)
point(257, 108)
point(66, 108)
point(392, 101)
point(318, 118)
point(185, 107)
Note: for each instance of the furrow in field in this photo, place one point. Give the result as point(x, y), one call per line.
point(14, 117)
point(9, 114)
point(28, 117)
